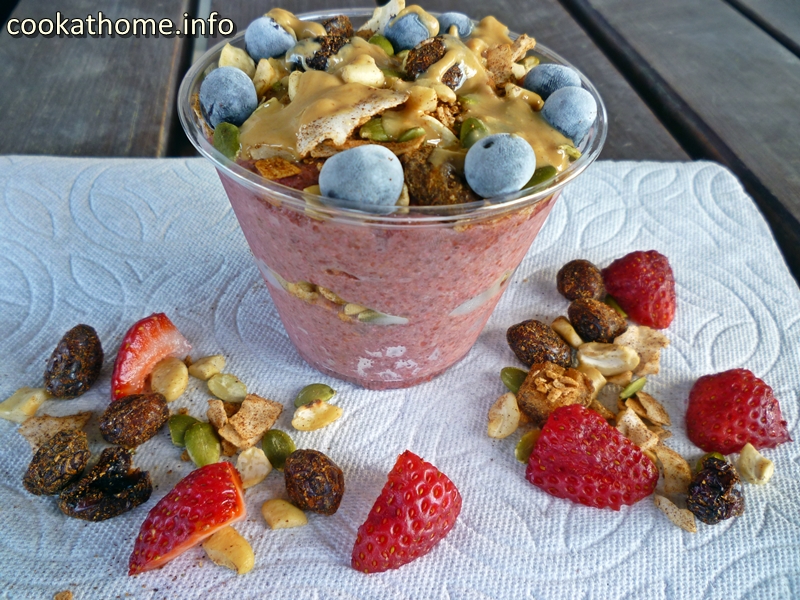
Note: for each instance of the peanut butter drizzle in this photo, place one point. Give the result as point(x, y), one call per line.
point(300, 29)
point(492, 32)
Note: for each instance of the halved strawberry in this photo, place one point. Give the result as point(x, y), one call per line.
point(147, 342)
point(644, 286)
point(203, 502)
point(417, 507)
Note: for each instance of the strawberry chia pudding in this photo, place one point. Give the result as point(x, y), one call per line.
point(390, 176)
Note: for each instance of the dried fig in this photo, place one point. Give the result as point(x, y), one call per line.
point(313, 481)
point(57, 463)
point(134, 419)
point(75, 363)
point(580, 279)
point(534, 342)
point(595, 321)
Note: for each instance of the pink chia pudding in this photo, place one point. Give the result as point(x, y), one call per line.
point(390, 176)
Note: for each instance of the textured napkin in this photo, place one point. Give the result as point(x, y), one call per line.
point(107, 242)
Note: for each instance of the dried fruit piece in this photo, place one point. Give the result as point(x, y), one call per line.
point(277, 445)
point(595, 321)
point(416, 509)
point(57, 463)
point(580, 279)
point(534, 342)
point(644, 286)
point(713, 493)
point(208, 366)
point(727, 410)
point(753, 467)
point(134, 419)
point(205, 501)
point(75, 363)
point(227, 548)
point(313, 481)
point(38, 430)
point(582, 458)
point(22, 404)
point(147, 342)
point(280, 514)
point(549, 386)
point(316, 415)
point(227, 387)
point(202, 444)
point(254, 466)
point(339, 25)
point(169, 378)
point(111, 488)
point(503, 417)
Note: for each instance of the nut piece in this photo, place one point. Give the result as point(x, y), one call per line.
point(313, 481)
point(549, 386)
point(567, 332)
point(316, 415)
point(264, 77)
point(632, 427)
point(134, 419)
point(227, 387)
point(679, 516)
point(280, 514)
point(503, 416)
point(111, 488)
point(236, 57)
point(227, 548)
point(534, 342)
point(208, 366)
point(363, 70)
point(59, 462)
point(609, 359)
point(676, 471)
point(75, 363)
point(170, 378)
point(39, 430)
point(22, 404)
point(655, 411)
point(753, 467)
point(580, 279)
point(595, 321)
point(254, 466)
point(648, 343)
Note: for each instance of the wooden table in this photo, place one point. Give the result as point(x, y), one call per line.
point(681, 80)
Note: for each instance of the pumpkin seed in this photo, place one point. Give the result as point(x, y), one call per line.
point(526, 444)
point(202, 444)
point(382, 43)
point(632, 388)
point(314, 391)
point(512, 378)
point(277, 445)
point(178, 424)
point(226, 139)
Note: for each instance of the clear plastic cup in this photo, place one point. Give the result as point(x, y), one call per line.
point(384, 301)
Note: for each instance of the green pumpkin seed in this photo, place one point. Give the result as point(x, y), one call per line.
point(226, 139)
point(383, 43)
point(615, 305)
point(312, 392)
point(571, 151)
point(512, 378)
point(632, 388)
point(529, 62)
point(471, 131)
point(277, 445)
point(373, 130)
point(178, 424)
point(468, 100)
point(526, 444)
point(541, 175)
point(202, 444)
point(699, 466)
point(411, 134)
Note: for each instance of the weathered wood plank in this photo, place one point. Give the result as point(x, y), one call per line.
point(780, 18)
point(634, 132)
point(726, 88)
point(91, 96)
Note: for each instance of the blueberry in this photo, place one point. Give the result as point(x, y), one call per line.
point(546, 79)
point(227, 95)
point(264, 38)
point(501, 163)
point(572, 111)
point(406, 32)
point(369, 174)
point(460, 20)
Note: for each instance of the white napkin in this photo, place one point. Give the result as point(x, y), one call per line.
point(107, 242)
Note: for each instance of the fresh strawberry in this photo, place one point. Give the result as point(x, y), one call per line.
point(147, 342)
point(417, 507)
point(203, 502)
point(582, 458)
point(730, 409)
point(643, 285)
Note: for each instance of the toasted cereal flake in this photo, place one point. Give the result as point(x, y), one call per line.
point(681, 517)
point(255, 417)
point(276, 168)
point(228, 448)
point(37, 430)
point(216, 414)
point(500, 59)
point(632, 427)
point(648, 343)
point(636, 407)
point(676, 471)
point(655, 411)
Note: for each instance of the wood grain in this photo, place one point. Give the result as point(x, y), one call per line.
point(780, 18)
point(727, 89)
point(634, 132)
point(90, 96)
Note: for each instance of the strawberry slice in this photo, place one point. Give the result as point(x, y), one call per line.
point(147, 342)
point(582, 458)
point(417, 508)
point(203, 502)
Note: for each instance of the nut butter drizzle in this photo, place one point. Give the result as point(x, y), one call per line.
point(272, 129)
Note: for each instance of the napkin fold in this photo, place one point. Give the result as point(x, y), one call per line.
point(109, 241)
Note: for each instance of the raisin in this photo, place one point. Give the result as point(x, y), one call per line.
point(431, 185)
point(330, 45)
point(427, 53)
point(580, 279)
point(75, 363)
point(713, 492)
point(111, 488)
point(57, 463)
point(596, 321)
point(134, 419)
point(339, 25)
point(313, 481)
point(534, 342)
